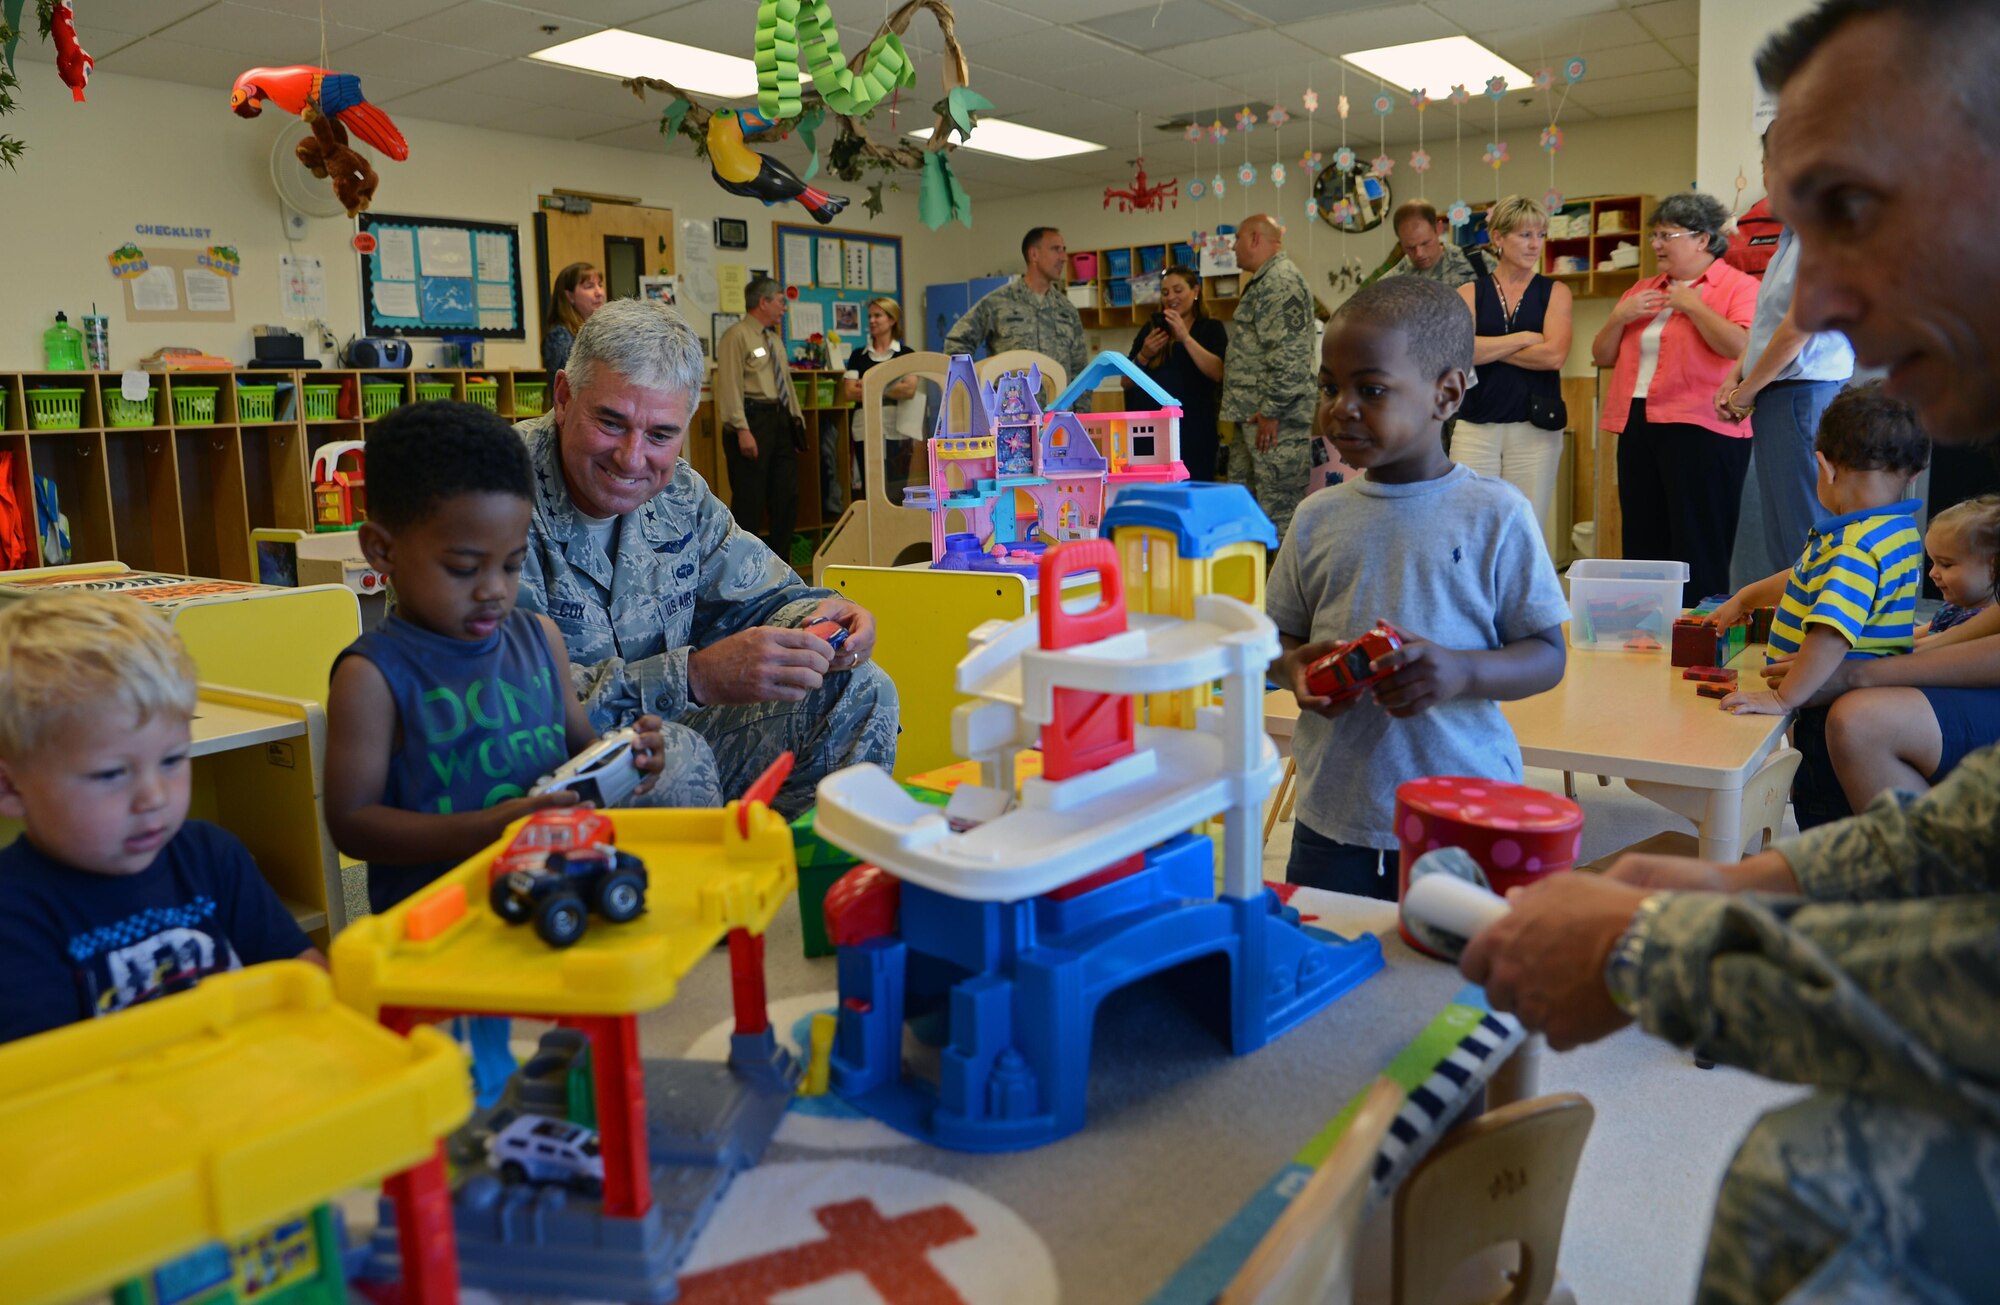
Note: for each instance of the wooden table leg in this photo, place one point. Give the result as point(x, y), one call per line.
point(1716, 812)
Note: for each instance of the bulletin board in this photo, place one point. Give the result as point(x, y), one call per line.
point(442, 276)
point(829, 267)
point(180, 286)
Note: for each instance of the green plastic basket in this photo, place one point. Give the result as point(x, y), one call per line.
point(257, 403)
point(379, 398)
point(530, 397)
point(802, 389)
point(55, 409)
point(429, 390)
point(322, 402)
point(121, 411)
point(484, 393)
point(194, 405)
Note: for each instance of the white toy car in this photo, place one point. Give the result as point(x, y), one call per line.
point(537, 1149)
point(605, 773)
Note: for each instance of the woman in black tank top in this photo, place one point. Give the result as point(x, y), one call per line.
point(1522, 320)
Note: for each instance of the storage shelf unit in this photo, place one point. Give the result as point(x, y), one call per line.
point(1111, 271)
point(182, 496)
point(1623, 215)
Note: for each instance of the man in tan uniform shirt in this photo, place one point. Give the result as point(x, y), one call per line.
point(762, 427)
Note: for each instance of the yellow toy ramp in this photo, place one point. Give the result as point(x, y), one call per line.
point(203, 1117)
point(704, 879)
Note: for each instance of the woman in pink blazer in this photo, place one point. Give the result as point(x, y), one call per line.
point(1672, 339)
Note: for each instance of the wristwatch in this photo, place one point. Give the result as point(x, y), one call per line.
point(1621, 968)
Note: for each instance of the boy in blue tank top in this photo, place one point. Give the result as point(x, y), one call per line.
point(440, 721)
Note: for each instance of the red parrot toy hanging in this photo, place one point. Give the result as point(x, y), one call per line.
point(330, 103)
point(72, 64)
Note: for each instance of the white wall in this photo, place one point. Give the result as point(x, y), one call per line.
point(1726, 141)
point(167, 153)
point(1651, 155)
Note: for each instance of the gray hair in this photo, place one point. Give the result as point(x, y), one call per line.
point(1694, 211)
point(643, 340)
point(760, 289)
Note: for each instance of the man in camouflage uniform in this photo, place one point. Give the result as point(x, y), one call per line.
point(1428, 251)
point(1268, 386)
point(1032, 311)
point(1862, 958)
point(666, 604)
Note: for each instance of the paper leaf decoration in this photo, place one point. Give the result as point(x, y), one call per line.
point(1420, 162)
point(1573, 70)
point(809, 123)
point(962, 105)
point(1552, 139)
point(1278, 175)
point(1385, 104)
point(1382, 166)
point(1459, 213)
point(1277, 117)
point(1246, 176)
point(1311, 100)
point(940, 198)
point(670, 119)
point(1496, 154)
point(1496, 88)
point(1459, 95)
point(1343, 158)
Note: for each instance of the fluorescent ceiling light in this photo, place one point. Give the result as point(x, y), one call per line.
point(617, 53)
point(1437, 66)
point(1010, 140)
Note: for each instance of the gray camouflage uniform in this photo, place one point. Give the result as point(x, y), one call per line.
point(1880, 986)
point(684, 577)
point(1271, 370)
point(1015, 317)
point(1451, 271)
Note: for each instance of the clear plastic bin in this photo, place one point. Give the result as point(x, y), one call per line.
point(1615, 600)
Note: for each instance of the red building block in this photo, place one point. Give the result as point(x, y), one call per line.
point(1710, 675)
point(1715, 690)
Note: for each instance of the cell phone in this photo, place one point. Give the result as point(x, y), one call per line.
point(604, 773)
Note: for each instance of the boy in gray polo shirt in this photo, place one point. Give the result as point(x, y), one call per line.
point(1450, 556)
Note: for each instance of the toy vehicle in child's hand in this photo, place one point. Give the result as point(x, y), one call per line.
point(605, 773)
point(1344, 672)
point(558, 863)
point(537, 1149)
point(834, 636)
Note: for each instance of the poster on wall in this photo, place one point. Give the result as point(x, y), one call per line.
point(179, 285)
point(660, 289)
point(442, 276)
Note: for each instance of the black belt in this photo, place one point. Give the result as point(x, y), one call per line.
point(763, 403)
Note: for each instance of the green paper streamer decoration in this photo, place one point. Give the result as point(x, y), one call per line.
point(799, 35)
point(941, 198)
point(808, 128)
point(11, 11)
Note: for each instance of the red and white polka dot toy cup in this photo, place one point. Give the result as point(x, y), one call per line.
point(1516, 833)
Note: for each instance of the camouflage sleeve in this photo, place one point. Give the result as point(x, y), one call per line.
point(1894, 999)
point(613, 691)
point(971, 330)
point(1944, 842)
point(743, 584)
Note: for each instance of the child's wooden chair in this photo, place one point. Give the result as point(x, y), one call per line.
point(1308, 1256)
point(1499, 1179)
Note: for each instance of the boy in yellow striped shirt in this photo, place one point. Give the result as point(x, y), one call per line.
point(1854, 590)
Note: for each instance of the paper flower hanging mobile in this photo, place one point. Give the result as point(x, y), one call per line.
point(1496, 88)
point(1459, 213)
point(1573, 70)
point(1215, 186)
point(1385, 104)
point(1552, 200)
point(1544, 79)
point(1193, 133)
point(1311, 100)
point(1278, 175)
point(1277, 117)
point(1311, 162)
point(1552, 139)
point(1245, 120)
point(1344, 106)
point(1459, 95)
point(1343, 212)
point(1496, 154)
point(1312, 207)
point(1420, 162)
point(1420, 100)
point(1382, 166)
point(1217, 132)
point(1197, 188)
point(1343, 158)
point(1246, 176)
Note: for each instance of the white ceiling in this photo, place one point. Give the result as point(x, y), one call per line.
point(1098, 69)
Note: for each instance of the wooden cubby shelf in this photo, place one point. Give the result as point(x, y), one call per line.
point(1110, 272)
point(181, 491)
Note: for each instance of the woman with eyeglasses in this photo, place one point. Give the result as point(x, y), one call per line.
point(1672, 339)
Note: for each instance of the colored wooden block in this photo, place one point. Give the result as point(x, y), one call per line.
point(1710, 674)
point(1714, 690)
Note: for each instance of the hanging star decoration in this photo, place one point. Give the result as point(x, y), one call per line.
point(1217, 132)
point(1246, 176)
point(1278, 175)
point(1344, 106)
point(1343, 158)
point(1385, 104)
point(1311, 100)
point(1277, 117)
point(1573, 70)
point(1192, 134)
point(1246, 121)
point(1382, 166)
point(1343, 212)
point(1496, 88)
point(1197, 188)
point(1552, 138)
point(1459, 213)
point(1420, 162)
point(1496, 154)
point(1420, 100)
point(1459, 95)
point(1544, 79)
point(1311, 163)
point(1552, 200)
point(1216, 187)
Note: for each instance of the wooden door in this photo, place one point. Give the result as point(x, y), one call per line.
point(565, 238)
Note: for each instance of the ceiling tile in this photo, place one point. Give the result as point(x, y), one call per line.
point(142, 16)
point(608, 13)
point(1606, 93)
point(172, 61)
point(1247, 52)
point(1070, 11)
point(638, 136)
point(975, 21)
point(1372, 29)
point(425, 61)
point(444, 104)
point(1670, 17)
point(725, 25)
point(368, 15)
point(1476, 15)
point(527, 82)
point(1166, 23)
point(1621, 61)
point(1532, 44)
point(1047, 51)
point(564, 124)
point(97, 42)
point(496, 28)
point(272, 39)
point(1685, 48)
point(1292, 11)
point(1663, 104)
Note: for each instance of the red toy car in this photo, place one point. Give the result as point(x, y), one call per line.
point(1344, 672)
point(559, 861)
